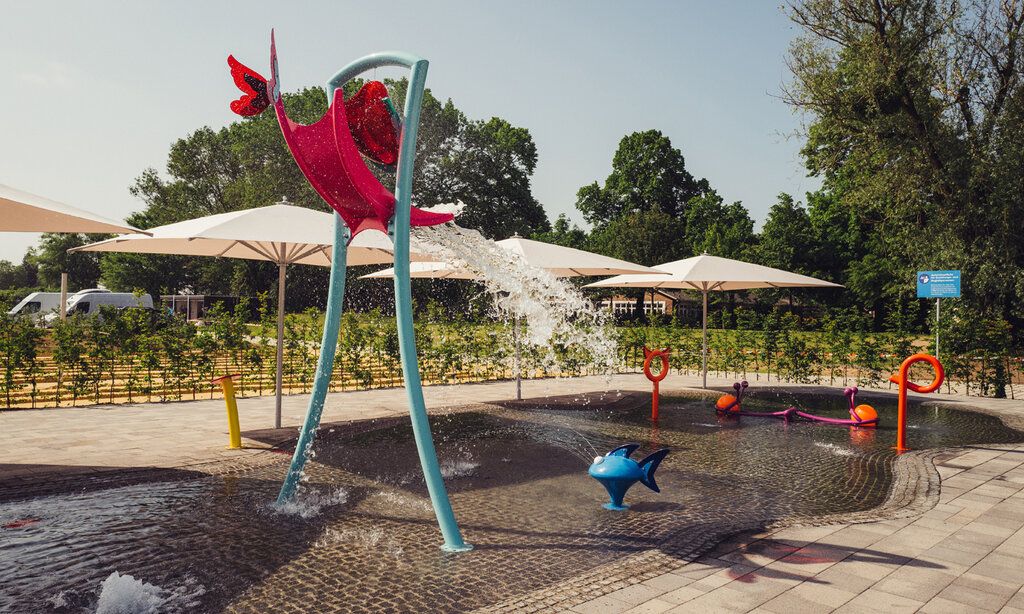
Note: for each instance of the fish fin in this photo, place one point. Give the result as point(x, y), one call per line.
point(625, 450)
point(649, 465)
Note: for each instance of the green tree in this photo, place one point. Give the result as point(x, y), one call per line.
point(24, 275)
point(645, 237)
point(915, 113)
point(491, 172)
point(18, 344)
point(53, 259)
point(564, 233)
point(715, 228)
point(648, 173)
point(787, 239)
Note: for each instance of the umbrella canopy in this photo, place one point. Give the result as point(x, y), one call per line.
point(705, 274)
point(426, 270)
point(283, 234)
point(558, 260)
point(24, 212)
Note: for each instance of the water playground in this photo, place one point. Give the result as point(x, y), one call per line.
point(539, 503)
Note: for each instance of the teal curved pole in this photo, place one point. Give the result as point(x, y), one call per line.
point(325, 364)
point(399, 230)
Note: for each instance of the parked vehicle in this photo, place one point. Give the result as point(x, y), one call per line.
point(36, 305)
point(89, 302)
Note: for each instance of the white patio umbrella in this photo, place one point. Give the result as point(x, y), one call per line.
point(24, 212)
point(283, 234)
point(558, 260)
point(705, 274)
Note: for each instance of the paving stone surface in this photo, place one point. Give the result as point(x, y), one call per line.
point(946, 534)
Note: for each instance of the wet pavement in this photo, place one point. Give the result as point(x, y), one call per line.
point(365, 540)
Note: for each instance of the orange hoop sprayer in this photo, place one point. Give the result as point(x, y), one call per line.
point(903, 380)
point(650, 355)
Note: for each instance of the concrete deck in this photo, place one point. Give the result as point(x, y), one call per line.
point(966, 553)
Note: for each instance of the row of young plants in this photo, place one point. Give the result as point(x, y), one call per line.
point(138, 355)
point(977, 353)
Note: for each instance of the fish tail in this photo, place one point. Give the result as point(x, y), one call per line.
point(649, 465)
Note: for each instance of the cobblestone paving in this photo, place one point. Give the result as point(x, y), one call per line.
point(962, 551)
point(518, 485)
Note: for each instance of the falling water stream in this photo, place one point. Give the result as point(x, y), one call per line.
point(555, 312)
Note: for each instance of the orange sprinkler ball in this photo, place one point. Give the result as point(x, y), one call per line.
point(727, 402)
point(865, 412)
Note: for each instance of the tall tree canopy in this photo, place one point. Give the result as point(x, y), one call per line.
point(489, 172)
point(648, 173)
point(644, 237)
point(717, 228)
point(639, 214)
point(485, 164)
point(916, 110)
point(563, 232)
point(787, 239)
point(52, 259)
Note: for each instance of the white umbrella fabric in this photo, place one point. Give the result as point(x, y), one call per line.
point(560, 261)
point(25, 212)
point(705, 274)
point(283, 234)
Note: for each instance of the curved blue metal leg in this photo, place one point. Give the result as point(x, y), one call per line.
point(325, 364)
point(399, 230)
point(417, 407)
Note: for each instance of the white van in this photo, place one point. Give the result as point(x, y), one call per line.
point(36, 305)
point(89, 302)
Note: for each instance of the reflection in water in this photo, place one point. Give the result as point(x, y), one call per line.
point(862, 437)
point(364, 537)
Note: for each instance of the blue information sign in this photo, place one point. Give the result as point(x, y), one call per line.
point(938, 284)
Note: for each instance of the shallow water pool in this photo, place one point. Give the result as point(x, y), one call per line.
point(364, 537)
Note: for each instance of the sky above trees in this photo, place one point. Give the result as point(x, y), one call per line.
point(99, 92)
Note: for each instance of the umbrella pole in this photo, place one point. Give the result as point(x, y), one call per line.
point(515, 342)
point(63, 296)
point(325, 364)
point(704, 350)
point(281, 267)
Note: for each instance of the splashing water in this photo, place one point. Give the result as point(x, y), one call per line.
point(458, 468)
point(128, 595)
point(555, 312)
point(308, 503)
point(373, 539)
point(403, 502)
point(835, 449)
point(125, 594)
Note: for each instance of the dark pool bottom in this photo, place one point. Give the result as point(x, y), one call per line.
point(518, 481)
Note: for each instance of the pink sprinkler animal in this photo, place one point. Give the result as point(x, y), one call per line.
point(860, 415)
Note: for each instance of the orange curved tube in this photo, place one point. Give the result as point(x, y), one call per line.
point(902, 379)
point(650, 355)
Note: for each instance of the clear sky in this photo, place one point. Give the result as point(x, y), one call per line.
point(94, 92)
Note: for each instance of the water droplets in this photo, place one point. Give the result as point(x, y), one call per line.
point(556, 314)
point(308, 503)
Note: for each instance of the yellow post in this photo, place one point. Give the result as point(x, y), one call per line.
point(227, 384)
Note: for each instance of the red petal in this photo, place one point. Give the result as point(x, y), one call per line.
point(369, 120)
point(254, 97)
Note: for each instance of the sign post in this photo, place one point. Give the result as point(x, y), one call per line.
point(938, 285)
